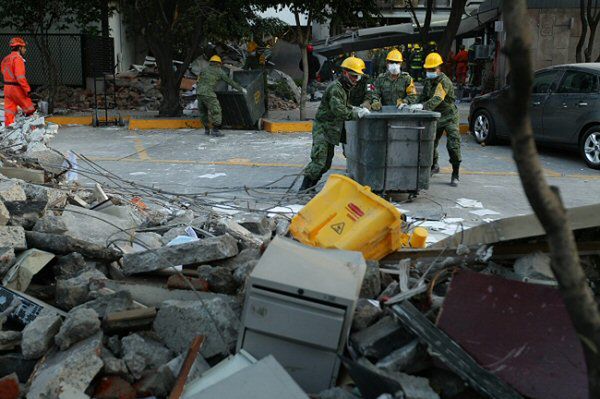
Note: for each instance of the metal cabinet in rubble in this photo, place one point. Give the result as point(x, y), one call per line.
point(299, 306)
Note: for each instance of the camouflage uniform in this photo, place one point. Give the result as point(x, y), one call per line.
point(327, 128)
point(438, 95)
point(388, 91)
point(208, 104)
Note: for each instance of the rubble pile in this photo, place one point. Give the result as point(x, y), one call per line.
point(28, 136)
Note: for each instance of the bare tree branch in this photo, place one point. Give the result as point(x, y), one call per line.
point(545, 200)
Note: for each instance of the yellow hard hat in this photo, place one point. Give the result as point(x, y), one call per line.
point(395, 56)
point(354, 64)
point(432, 43)
point(251, 46)
point(215, 58)
point(433, 60)
point(417, 46)
point(410, 45)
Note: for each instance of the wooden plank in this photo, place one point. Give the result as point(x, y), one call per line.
point(452, 355)
point(186, 367)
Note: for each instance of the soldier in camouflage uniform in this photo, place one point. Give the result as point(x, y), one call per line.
point(208, 104)
point(438, 95)
point(333, 111)
point(393, 87)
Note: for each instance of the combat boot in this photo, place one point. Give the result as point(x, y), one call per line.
point(207, 131)
point(435, 169)
point(216, 132)
point(307, 183)
point(455, 178)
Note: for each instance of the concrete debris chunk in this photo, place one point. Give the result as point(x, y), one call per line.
point(141, 354)
point(79, 324)
point(106, 304)
point(381, 338)
point(28, 264)
point(38, 336)
point(255, 223)
point(246, 255)
point(50, 224)
point(220, 279)
point(69, 266)
point(178, 322)
point(173, 233)
point(48, 195)
point(7, 259)
point(4, 214)
point(75, 367)
point(184, 218)
point(371, 286)
point(365, 314)
point(9, 340)
point(75, 291)
point(13, 237)
point(180, 282)
point(196, 252)
point(112, 364)
point(411, 358)
point(10, 190)
point(535, 266)
point(95, 227)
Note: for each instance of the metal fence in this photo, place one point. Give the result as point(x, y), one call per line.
point(76, 57)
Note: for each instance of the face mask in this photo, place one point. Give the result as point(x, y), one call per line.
point(394, 69)
point(431, 75)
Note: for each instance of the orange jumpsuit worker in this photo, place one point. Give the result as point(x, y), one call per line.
point(16, 88)
point(461, 59)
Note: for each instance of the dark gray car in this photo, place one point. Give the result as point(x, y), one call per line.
point(565, 111)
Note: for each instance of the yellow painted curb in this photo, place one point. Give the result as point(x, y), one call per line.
point(287, 126)
point(157, 123)
point(79, 120)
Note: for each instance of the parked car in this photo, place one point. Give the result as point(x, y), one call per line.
point(565, 111)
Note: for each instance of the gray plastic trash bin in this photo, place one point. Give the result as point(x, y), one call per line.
point(392, 151)
point(239, 110)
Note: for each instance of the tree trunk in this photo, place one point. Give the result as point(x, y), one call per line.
point(458, 8)
point(42, 44)
point(545, 200)
point(593, 20)
point(304, 82)
point(427, 22)
point(170, 104)
point(584, 29)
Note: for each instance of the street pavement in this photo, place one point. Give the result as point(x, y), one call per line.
point(187, 161)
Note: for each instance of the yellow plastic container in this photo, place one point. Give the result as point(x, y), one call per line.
point(347, 215)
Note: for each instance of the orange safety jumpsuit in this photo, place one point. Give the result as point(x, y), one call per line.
point(461, 59)
point(16, 88)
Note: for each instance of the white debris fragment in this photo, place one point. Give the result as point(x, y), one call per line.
point(484, 212)
point(27, 135)
point(285, 209)
point(469, 203)
point(212, 175)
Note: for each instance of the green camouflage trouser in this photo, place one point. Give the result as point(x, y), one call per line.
point(210, 111)
point(448, 124)
point(321, 157)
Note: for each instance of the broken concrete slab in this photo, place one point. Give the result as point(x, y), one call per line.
point(79, 324)
point(76, 367)
point(94, 227)
point(10, 190)
point(112, 364)
point(9, 340)
point(7, 259)
point(381, 339)
point(239, 232)
point(105, 304)
point(371, 286)
point(4, 214)
point(201, 251)
point(172, 234)
point(75, 291)
point(13, 237)
point(153, 295)
point(25, 213)
point(62, 244)
point(256, 223)
point(178, 322)
point(145, 241)
point(27, 265)
point(48, 195)
point(220, 279)
point(365, 314)
point(411, 358)
point(38, 336)
point(69, 266)
point(184, 218)
point(242, 272)
point(142, 353)
point(50, 224)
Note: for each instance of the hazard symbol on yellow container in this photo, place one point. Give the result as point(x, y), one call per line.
point(347, 215)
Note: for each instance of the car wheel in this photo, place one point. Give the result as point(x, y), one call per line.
point(589, 147)
point(484, 128)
